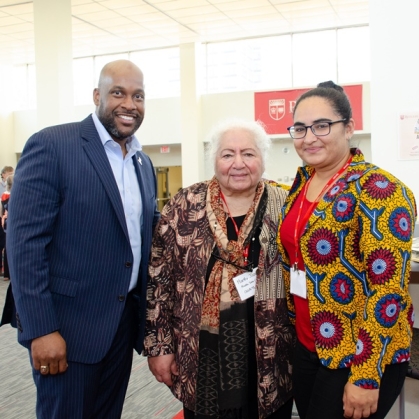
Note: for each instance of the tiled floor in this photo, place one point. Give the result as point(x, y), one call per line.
point(146, 398)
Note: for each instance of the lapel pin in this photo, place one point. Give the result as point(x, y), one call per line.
point(140, 161)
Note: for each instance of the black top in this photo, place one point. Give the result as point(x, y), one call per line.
point(254, 251)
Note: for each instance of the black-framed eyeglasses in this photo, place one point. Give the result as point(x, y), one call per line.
point(319, 128)
point(247, 268)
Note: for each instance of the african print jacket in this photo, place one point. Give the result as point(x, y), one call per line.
point(356, 248)
point(181, 249)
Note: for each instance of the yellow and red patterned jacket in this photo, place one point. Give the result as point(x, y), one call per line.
point(356, 248)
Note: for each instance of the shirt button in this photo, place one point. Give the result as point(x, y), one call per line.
point(128, 264)
point(121, 298)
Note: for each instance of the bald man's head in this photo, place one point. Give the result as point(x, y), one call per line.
point(115, 68)
point(119, 99)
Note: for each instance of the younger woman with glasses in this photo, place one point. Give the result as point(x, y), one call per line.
point(217, 329)
point(345, 237)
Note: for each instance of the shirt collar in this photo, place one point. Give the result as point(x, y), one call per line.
point(133, 145)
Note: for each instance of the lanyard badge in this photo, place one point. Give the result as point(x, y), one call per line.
point(298, 277)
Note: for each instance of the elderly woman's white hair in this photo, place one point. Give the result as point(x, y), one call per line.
point(262, 141)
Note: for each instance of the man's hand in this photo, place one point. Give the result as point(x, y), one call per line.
point(359, 402)
point(49, 351)
point(162, 367)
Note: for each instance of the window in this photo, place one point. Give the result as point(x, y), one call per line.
point(274, 67)
point(23, 80)
point(314, 58)
point(161, 70)
point(231, 66)
point(269, 63)
point(250, 64)
point(101, 60)
point(354, 57)
point(84, 81)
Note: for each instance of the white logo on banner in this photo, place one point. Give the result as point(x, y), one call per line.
point(277, 109)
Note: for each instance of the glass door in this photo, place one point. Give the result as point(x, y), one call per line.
point(163, 194)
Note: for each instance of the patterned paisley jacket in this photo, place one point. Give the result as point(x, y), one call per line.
point(356, 249)
point(181, 249)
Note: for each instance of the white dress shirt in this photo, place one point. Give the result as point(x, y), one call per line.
point(129, 189)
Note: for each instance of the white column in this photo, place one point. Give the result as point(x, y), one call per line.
point(192, 140)
point(394, 89)
point(394, 82)
point(54, 61)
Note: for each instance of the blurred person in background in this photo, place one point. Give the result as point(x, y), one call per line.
point(3, 214)
point(9, 309)
point(6, 171)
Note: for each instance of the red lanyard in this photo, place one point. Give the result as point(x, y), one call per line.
point(302, 221)
point(245, 249)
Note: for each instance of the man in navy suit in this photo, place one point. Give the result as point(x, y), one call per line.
point(79, 235)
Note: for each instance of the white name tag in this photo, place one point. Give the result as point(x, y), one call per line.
point(245, 284)
point(298, 283)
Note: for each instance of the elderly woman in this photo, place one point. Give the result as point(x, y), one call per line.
point(345, 238)
point(217, 329)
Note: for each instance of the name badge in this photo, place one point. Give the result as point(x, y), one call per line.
point(298, 283)
point(246, 284)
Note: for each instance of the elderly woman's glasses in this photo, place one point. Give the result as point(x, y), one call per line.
point(319, 128)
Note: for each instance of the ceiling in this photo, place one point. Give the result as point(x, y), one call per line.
point(111, 26)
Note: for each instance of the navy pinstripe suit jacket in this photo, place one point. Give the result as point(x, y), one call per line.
point(68, 247)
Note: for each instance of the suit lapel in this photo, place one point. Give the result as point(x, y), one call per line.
point(96, 153)
point(139, 170)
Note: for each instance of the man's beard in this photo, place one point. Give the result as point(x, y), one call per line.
point(108, 121)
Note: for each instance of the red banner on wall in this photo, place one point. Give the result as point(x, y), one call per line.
point(275, 109)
